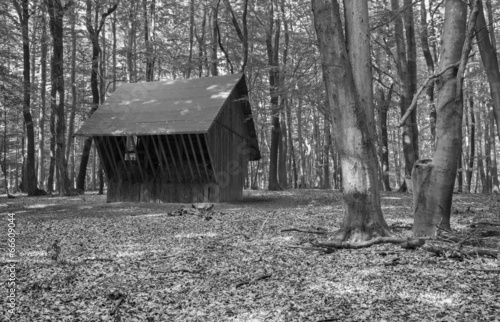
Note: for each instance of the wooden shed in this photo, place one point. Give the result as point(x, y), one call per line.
point(185, 140)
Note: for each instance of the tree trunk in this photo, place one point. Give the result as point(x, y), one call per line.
point(215, 38)
point(94, 27)
point(472, 143)
point(490, 62)
point(412, 70)
point(487, 149)
point(363, 218)
point(435, 188)
point(291, 148)
point(405, 89)
point(272, 56)
point(384, 154)
point(73, 87)
point(29, 178)
point(480, 154)
point(56, 12)
point(191, 38)
point(43, 91)
point(493, 172)
point(326, 150)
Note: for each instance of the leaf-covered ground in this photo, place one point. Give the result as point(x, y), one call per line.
point(134, 262)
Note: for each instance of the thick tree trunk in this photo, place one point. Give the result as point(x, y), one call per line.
point(363, 218)
point(435, 189)
point(272, 55)
point(56, 12)
point(29, 178)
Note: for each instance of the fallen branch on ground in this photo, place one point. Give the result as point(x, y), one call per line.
point(407, 243)
point(186, 270)
point(254, 280)
point(485, 223)
point(452, 252)
point(305, 231)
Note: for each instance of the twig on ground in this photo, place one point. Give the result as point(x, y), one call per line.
point(186, 270)
point(98, 259)
point(254, 280)
point(485, 223)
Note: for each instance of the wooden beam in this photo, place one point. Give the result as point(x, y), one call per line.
point(101, 152)
point(145, 140)
point(167, 137)
point(194, 155)
point(137, 159)
point(110, 156)
point(187, 157)
point(122, 158)
point(180, 156)
point(159, 156)
point(200, 146)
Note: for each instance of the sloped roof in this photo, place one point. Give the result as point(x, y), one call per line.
point(166, 107)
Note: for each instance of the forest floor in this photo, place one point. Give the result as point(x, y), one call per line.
point(152, 262)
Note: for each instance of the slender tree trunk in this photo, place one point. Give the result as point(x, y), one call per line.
point(326, 150)
point(94, 28)
point(43, 91)
point(353, 121)
point(472, 143)
point(434, 180)
point(291, 148)
point(412, 70)
point(405, 76)
point(494, 171)
point(480, 154)
point(73, 89)
point(215, 38)
point(424, 41)
point(150, 59)
point(384, 146)
point(487, 149)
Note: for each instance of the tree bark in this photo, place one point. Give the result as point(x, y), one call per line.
point(424, 40)
point(412, 70)
point(94, 28)
point(472, 143)
point(272, 56)
point(43, 91)
point(73, 89)
point(215, 39)
point(29, 178)
point(363, 219)
point(409, 152)
point(56, 13)
point(435, 190)
point(490, 62)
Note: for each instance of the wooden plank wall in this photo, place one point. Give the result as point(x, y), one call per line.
point(227, 139)
point(156, 191)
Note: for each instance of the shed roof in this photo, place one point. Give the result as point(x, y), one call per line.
point(179, 106)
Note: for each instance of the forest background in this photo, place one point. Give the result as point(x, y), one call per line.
point(60, 59)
